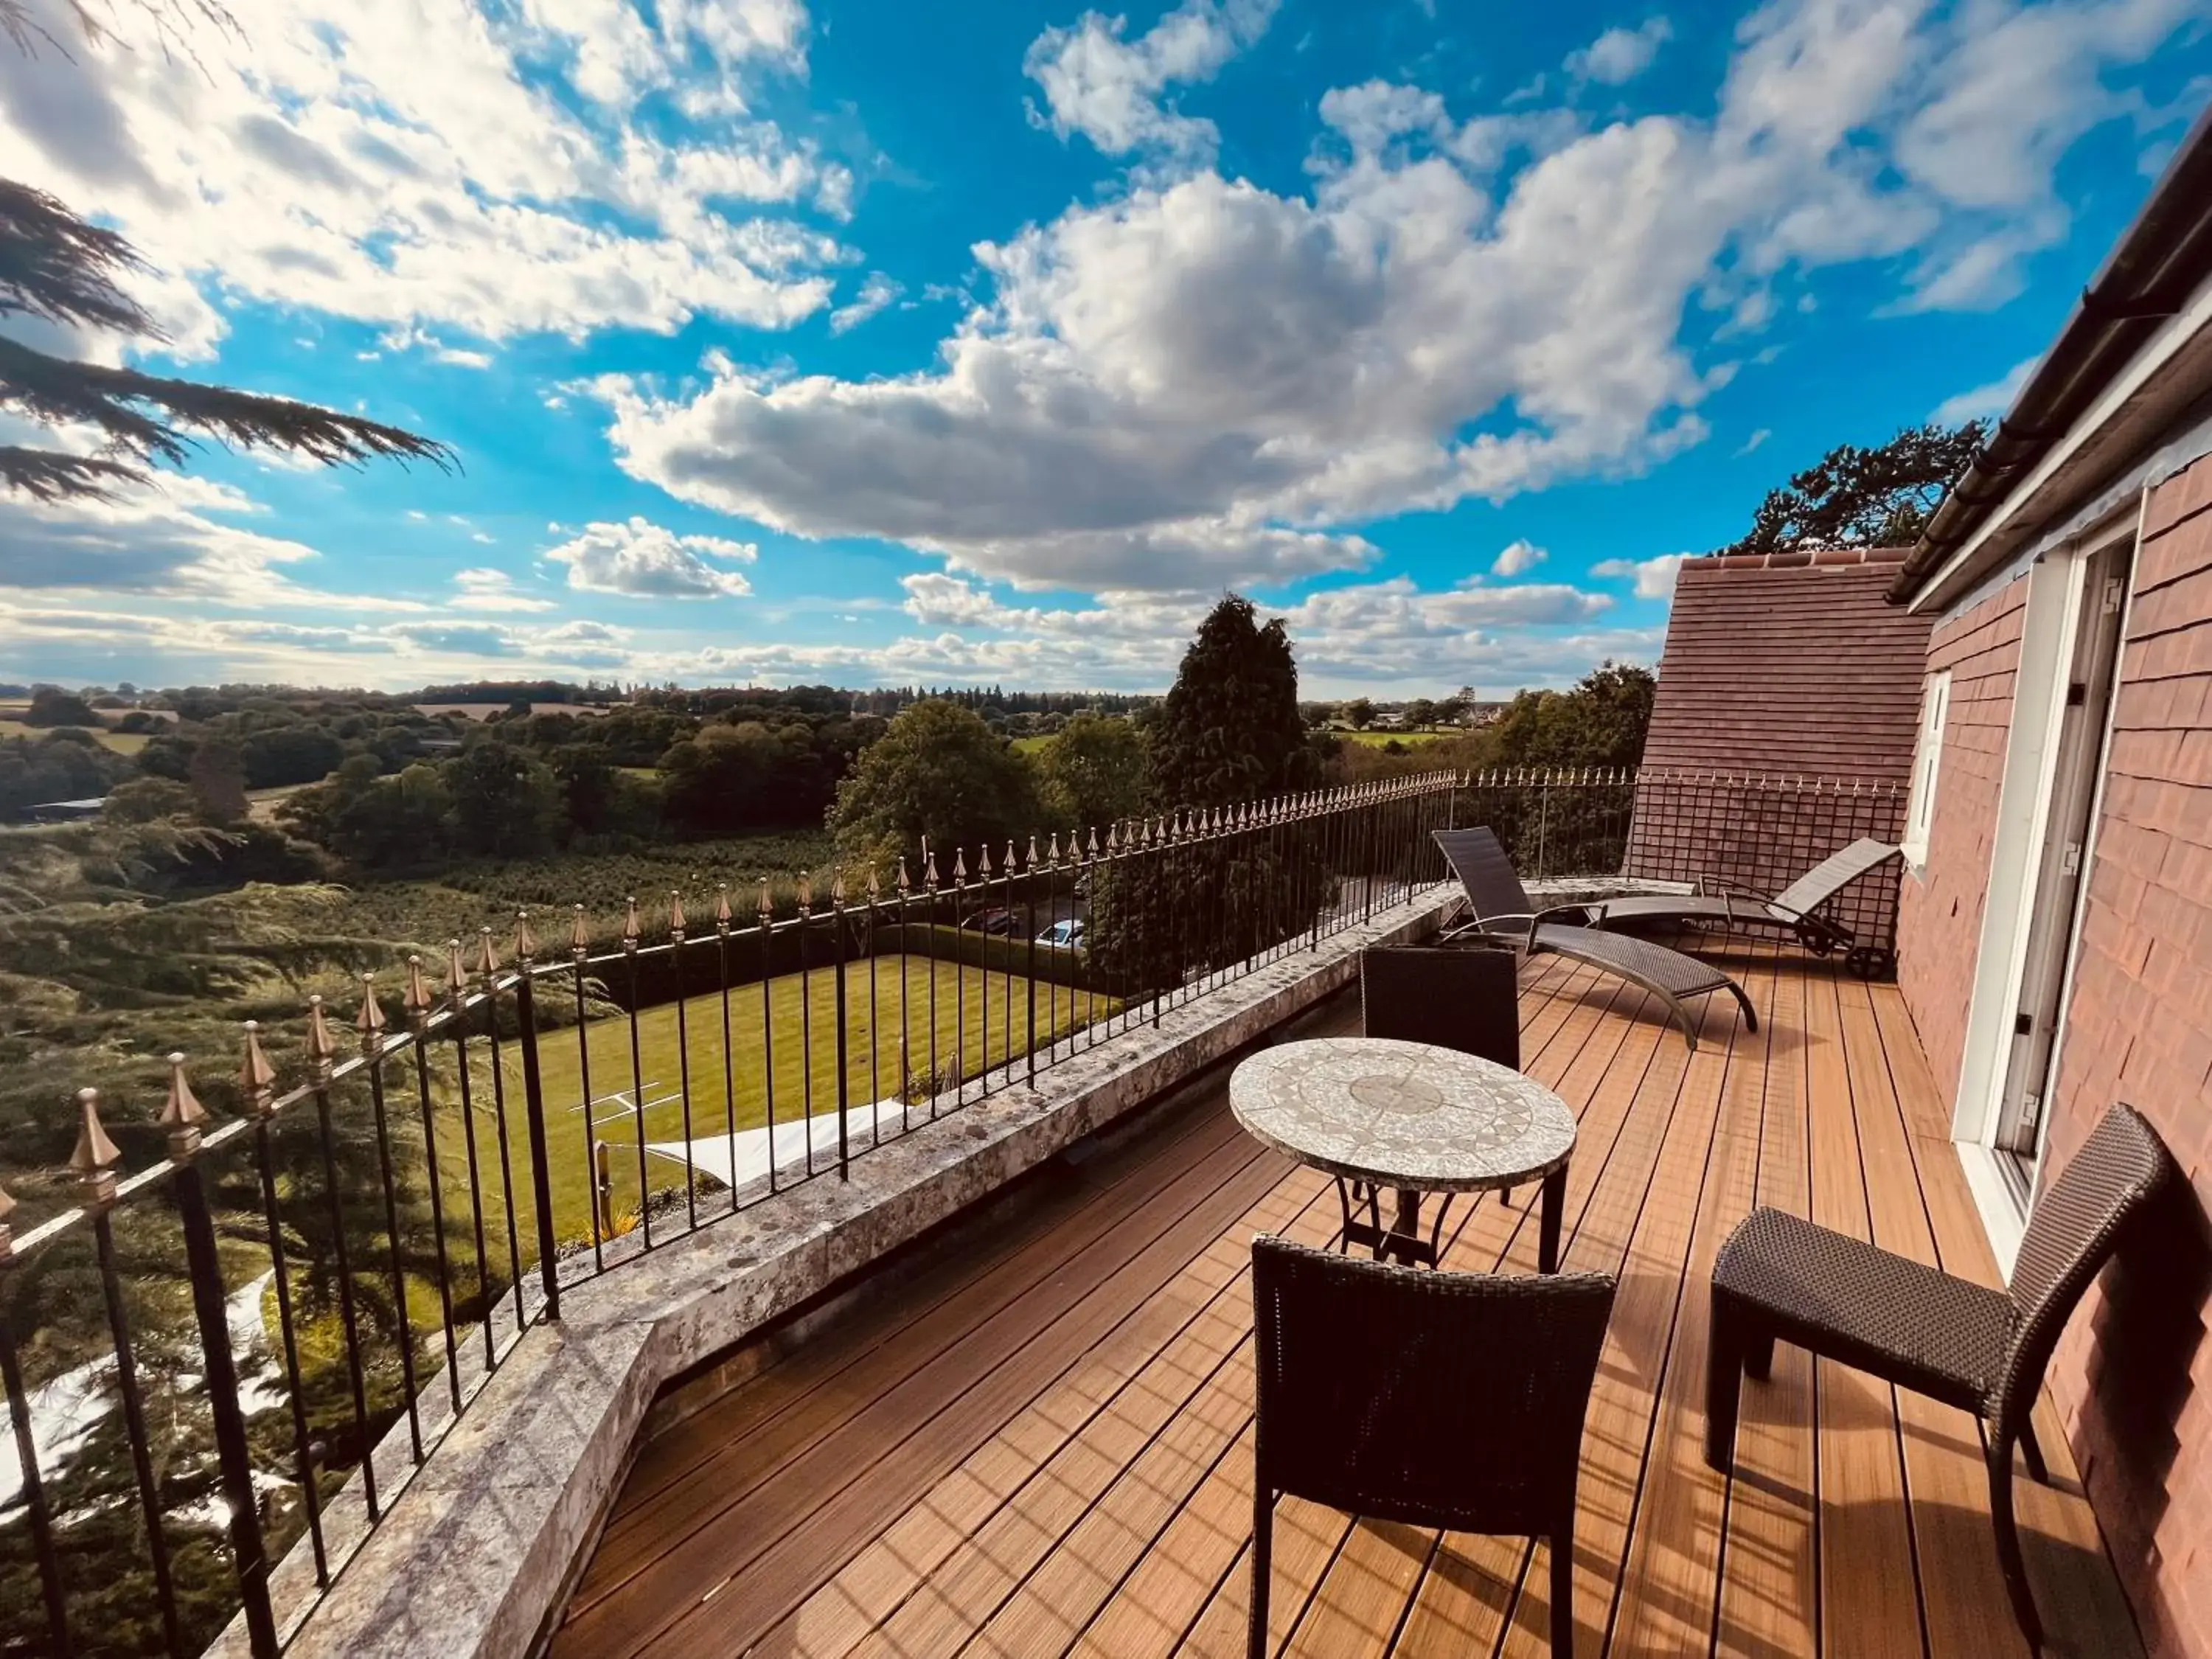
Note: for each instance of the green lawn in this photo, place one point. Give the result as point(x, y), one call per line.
point(122, 742)
point(877, 1033)
point(1411, 739)
point(1031, 745)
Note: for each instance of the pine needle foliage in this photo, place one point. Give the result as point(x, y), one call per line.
point(59, 267)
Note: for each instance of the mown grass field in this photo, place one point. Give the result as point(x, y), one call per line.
point(122, 742)
point(1380, 739)
point(888, 1018)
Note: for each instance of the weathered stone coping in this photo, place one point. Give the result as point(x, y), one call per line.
point(472, 1558)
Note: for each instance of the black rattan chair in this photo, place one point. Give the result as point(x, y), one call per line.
point(1469, 1000)
point(1435, 1400)
point(1981, 1350)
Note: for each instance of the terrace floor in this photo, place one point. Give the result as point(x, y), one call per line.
point(1040, 1445)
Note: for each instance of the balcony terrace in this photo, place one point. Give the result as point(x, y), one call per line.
point(1034, 1438)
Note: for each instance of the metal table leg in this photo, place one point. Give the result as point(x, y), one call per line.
point(1548, 1233)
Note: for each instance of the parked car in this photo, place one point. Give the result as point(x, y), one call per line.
point(1066, 935)
point(996, 920)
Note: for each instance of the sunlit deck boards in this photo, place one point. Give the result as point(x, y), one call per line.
point(1043, 1447)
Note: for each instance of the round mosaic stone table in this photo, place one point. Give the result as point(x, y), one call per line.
point(1375, 1112)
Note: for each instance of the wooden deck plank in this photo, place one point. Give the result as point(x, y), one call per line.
point(1457, 1599)
point(2084, 1611)
point(1115, 1256)
point(1865, 1539)
point(1671, 1579)
point(1040, 1448)
point(1617, 1438)
point(1203, 1546)
point(722, 1457)
point(877, 1581)
point(1948, 1488)
point(1770, 1558)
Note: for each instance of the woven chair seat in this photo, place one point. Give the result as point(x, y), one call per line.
point(1672, 972)
point(1854, 1302)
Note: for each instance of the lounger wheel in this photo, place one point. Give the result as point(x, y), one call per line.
point(1869, 961)
point(1818, 944)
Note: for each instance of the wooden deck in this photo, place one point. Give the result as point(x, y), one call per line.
point(1041, 1444)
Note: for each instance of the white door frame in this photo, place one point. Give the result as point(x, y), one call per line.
point(2057, 598)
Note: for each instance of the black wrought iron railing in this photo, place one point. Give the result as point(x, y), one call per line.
point(313, 1274)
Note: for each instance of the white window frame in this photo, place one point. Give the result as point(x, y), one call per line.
point(1927, 763)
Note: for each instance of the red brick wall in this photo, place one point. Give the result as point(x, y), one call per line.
point(1939, 923)
point(2134, 1376)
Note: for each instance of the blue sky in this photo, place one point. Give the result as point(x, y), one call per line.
point(881, 344)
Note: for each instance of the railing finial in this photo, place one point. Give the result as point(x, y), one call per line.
point(525, 942)
point(805, 894)
point(457, 971)
point(630, 931)
point(417, 998)
point(766, 909)
point(182, 1113)
point(321, 1049)
point(579, 934)
point(370, 1022)
point(487, 955)
point(95, 1156)
point(676, 915)
point(257, 1078)
point(837, 889)
point(722, 916)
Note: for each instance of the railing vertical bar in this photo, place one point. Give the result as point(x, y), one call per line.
point(676, 941)
point(487, 966)
point(34, 1495)
point(319, 1055)
point(929, 934)
point(580, 948)
point(255, 1084)
point(875, 1023)
point(844, 1084)
point(533, 1111)
point(722, 919)
point(181, 1117)
point(805, 1021)
point(417, 1004)
point(371, 1027)
point(630, 941)
point(766, 911)
point(134, 1419)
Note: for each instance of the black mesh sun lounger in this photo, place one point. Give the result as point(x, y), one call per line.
point(1791, 909)
point(1502, 906)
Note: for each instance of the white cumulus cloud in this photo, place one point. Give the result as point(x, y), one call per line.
point(1110, 89)
point(424, 166)
point(641, 560)
point(1517, 558)
point(1620, 54)
point(1654, 577)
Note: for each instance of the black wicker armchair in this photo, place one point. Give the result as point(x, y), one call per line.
point(1984, 1350)
point(1436, 1399)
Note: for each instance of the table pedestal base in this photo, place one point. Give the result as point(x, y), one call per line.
point(1402, 1240)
